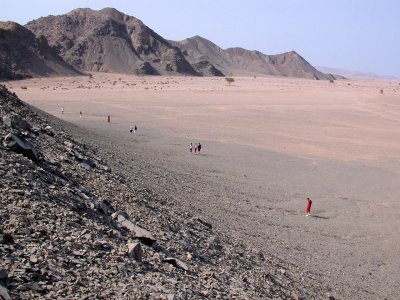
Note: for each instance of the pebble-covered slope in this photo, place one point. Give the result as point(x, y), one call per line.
point(72, 228)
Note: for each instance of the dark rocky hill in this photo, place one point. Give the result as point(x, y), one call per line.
point(110, 41)
point(239, 61)
point(23, 55)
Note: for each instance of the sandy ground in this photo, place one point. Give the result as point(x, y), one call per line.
point(268, 144)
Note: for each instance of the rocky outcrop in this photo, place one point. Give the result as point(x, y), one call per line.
point(23, 55)
point(72, 228)
point(205, 68)
point(110, 41)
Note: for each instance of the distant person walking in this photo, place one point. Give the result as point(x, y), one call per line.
point(62, 109)
point(195, 148)
point(131, 129)
point(80, 114)
point(135, 129)
point(190, 148)
point(308, 207)
point(199, 148)
point(108, 119)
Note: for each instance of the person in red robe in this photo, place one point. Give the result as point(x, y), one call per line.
point(308, 208)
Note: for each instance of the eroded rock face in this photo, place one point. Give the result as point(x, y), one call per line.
point(60, 237)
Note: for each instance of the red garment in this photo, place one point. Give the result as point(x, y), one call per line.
point(308, 208)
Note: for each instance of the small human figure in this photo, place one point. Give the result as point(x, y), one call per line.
point(308, 208)
point(80, 114)
point(199, 148)
point(62, 109)
point(190, 148)
point(108, 118)
point(131, 129)
point(135, 129)
point(195, 148)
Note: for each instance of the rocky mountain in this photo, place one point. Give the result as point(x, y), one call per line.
point(73, 225)
point(23, 55)
point(242, 62)
point(110, 41)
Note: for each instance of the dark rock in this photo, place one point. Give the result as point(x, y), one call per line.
point(177, 263)
point(216, 245)
point(135, 251)
point(3, 274)
point(6, 238)
point(21, 145)
point(102, 206)
point(34, 286)
point(159, 248)
point(15, 121)
point(204, 222)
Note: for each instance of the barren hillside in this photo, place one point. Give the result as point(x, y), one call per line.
point(23, 55)
point(242, 62)
point(110, 41)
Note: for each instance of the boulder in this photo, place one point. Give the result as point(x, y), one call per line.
point(102, 206)
point(135, 251)
point(21, 145)
point(16, 121)
point(177, 263)
point(140, 233)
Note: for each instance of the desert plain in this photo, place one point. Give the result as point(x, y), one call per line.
point(268, 144)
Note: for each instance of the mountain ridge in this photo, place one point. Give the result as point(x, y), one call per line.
point(239, 61)
point(108, 40)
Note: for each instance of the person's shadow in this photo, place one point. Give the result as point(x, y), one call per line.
point(320, 217)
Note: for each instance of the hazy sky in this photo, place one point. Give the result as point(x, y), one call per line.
point(361, 35)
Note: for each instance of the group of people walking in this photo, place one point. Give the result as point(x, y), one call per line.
point(196, 147)
point(133, 129)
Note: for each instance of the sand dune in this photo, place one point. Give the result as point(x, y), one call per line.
point(268, 144)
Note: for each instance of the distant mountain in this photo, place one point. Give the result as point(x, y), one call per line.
point(23, 55)
point(242, 62)
point(355, 74)
point(110, 41)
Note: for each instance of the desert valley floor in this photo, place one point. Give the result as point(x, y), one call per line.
point(268, 144)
